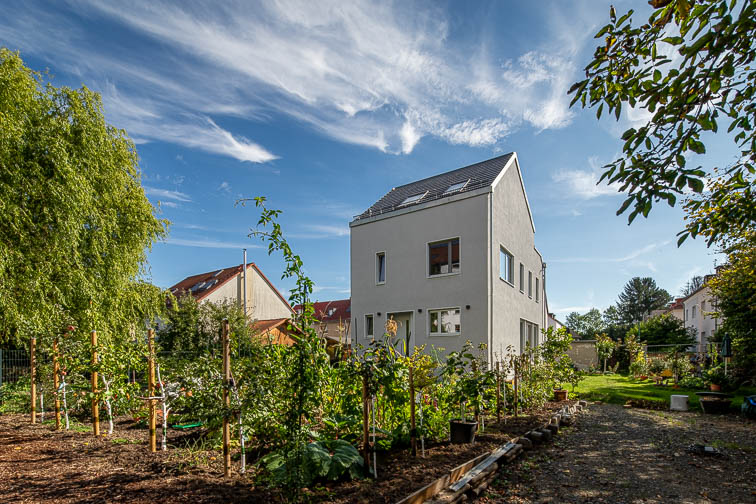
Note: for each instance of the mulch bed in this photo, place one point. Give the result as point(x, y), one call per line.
point(38, 464)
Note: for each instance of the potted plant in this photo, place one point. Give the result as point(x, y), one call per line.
point(469, 378)
point(715, 377)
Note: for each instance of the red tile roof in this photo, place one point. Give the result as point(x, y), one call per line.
point(200, 286)
point(330, 311)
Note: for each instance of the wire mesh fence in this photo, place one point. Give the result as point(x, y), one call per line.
point(14, 364)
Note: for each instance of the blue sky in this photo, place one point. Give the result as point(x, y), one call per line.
point(324, 108)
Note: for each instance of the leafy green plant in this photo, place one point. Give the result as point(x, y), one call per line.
point(321, 460)
point(470, 376)
point(604, 348)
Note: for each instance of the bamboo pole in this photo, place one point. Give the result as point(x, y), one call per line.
point(498, 394)
point(151, 389)
point(226, 401)
point(56, 382)
point(33, 372)
point(365, 424)
point(413, 429)
point(95, 402)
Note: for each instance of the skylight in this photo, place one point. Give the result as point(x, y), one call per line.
point(413, 199)
point(456, 187)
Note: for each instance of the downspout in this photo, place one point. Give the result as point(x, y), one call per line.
point(490, 277)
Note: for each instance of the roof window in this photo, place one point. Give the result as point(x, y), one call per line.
point(413, 199)
point(456, 187)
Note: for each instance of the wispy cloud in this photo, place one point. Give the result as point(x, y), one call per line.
point(318, 231)
point(167, 194)
point(620, 259)
point(383, 76)
point(323, 288)
point(210, 244)
point(584, 183)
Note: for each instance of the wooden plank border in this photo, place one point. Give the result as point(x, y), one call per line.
point(432, 489)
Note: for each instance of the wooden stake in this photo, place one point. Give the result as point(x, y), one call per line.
point(226, 401)
point(413, 430)
point(33, 372)
point(516, 397)
point(95, 402)
point(498, 394)
point(365, 424)
point(151, 389)
point(56, 382)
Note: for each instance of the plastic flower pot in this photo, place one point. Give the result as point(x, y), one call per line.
point(462, 432)
point(560, 395)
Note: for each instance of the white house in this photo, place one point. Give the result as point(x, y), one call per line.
point(264, 301)
point(697, 312)
point(450, 258)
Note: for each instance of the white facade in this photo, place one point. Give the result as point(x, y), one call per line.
point(436, 268)
point(697, 311)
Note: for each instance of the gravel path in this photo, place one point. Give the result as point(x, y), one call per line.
point(619, 455)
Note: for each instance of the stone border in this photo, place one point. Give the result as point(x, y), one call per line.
point(467, 481)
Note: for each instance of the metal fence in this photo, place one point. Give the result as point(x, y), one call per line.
point(14, 364)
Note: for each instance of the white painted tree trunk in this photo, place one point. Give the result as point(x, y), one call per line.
point(108, 405)
point(42, 404)
point(164, 401)
point(64, 389)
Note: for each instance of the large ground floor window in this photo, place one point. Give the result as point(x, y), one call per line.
point(529, 335)
point(447, 321)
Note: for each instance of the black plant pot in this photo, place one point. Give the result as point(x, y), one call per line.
point(462, 432)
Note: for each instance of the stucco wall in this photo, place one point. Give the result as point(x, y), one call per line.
point(404, 238)
point(262, 302)
point(512, 230)
point(583, 354)
point(702, 322)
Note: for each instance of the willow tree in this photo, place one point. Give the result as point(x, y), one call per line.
point(76, 223)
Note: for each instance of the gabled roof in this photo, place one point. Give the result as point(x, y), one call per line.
point(328, 311)
point(200, 286)
point(475, 176)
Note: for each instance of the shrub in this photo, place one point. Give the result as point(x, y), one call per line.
point(14, 396)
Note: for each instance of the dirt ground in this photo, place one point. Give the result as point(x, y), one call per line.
point(619, 455)
point(39, 465)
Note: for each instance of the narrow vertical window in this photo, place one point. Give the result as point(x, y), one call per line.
point(538, 296)
point(368, 326)
point(522, 278)
point(530, 284)
point(506, 266)
point(380, 267)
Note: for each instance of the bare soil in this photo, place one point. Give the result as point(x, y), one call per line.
point(620, 455)
point(39, 465)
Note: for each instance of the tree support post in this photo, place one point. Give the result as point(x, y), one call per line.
point(516, 390)
point(56, 382)
point(226, 401)
point(95, 402)
point(498, 394)
point(413, 429)
point(365, 423)
point(151, 389)
point(33, 373)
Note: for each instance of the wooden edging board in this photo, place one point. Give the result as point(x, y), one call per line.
point(493, 457)
point(430, 490)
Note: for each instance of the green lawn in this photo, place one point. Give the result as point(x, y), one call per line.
point(618, 389)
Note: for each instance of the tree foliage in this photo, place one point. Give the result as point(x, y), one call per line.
point(586, 326)
point(76, 222)
point(663, 329)
point(692, 286)
point(639, 297)
point(690, 66)
point(734, 288)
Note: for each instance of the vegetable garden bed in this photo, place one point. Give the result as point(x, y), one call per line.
point(41, 465)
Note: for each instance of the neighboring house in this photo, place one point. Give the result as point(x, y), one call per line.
point(334, 320)
point(553, 322)
point(450, 258)
point(264, 302)
point(697, 314)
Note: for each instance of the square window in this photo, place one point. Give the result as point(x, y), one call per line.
point(444, 322)
point(368, 326)
point(443, 257)
point(506, 266)
point(380, 267)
